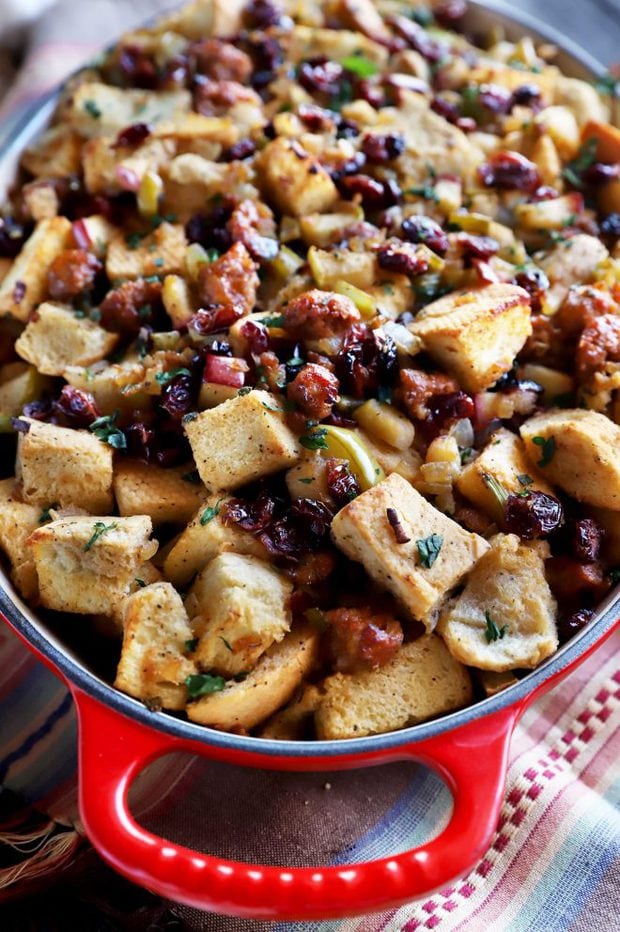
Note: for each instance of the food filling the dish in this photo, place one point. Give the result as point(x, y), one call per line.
point(310, 363)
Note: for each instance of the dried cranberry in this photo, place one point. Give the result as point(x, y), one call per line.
point(371, 92)
point(78, 408)
point(211, 319)
point(380, 148)
point(421, 229)
point(532, 515)
point(601, 173)
point(137, 68)
point(303, 528)
point(41, 410)
point(320, 75)
point(12, 237)
point(177, 397)
point(364, 364)
point(444, 409)
point(586, 539)
point(239, 151)
point(544, 193)
point(374, 194)
point(267, 55)
point(510, 171)
point(347, 129)
point(610, 225)
point(256, 335)
point(140, 441)
point(403, 258)
point(445, 108)
point(133, 135)
point(449, 13)
point(210, 230)
point(260, 14)
point(535, 282)
point(341, 483)
point(473, 246)
point(417, 38)
point(526, 95)
point(251, 516)
point(495, 99)
point(569, 626)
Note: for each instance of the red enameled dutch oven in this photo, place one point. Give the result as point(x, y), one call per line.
point(119, 737)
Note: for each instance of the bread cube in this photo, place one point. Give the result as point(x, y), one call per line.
point(55, 338)
point(362, 530)
point(153, 664)
point(112, 626)
point(241, 440)
point(39, 200)
point(238, 606)
point(98, 109)
point(295, 180)
point(203, 18)
point(17, 522)
point(105, 164)
point(58, 465)
point(19, 384)
point(271, 683)
point(295, 722)
point(88, 564)
point(204, 538)
point(579, 451)
point(162, 494)
point(116, 387)
point(25, 286)
point(504, 460)
point(505, 617)
point(54, 154)
point(570, 263)
point(584, 101)
point(475, 335)
point(422, 681)
point(160, 253)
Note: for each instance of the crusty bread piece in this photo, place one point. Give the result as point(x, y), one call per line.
point(475, 335)
point(17, 522)
point(570, 263)
point(363, 531)
point(584, 456)
point(53, 154)
point(153, 662)
point(160, 253)
point(493, 683)
point(25, 286)
point(238, 606)
point(88, 564)
point(294, 179)
point(295, 722)
point(58, 465)
point(112, 625)
point(104, 162)
point(163, 494)
point(203, 539)
point(268, 686)
point(97, 109)
point(504, 459)
point(203, 18)
point(422, 681)
point(507, 587)
point(241, 440)
point(55, 338)
point(117, 387)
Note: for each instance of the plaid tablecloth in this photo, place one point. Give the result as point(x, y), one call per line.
point(554, 864)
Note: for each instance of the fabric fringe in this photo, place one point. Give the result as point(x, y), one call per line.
point(44, 851)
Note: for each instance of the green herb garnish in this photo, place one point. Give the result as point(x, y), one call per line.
point(315, 440)
point(163, 378)
point(524, 479)
point(493, 633)
point(104, 428)
point(227, 644)
point(547, 449)
point(244, 391)
point(427, 191)
point(203, 684)
point(92, 109)
point(275, 320)
point(428, 549)
point(99, 530)
point(133, 240)
point(191, 645)
point(140, 582)
point(495, 487)
point(211, 512)
point(45, 513)
point(308, 480)
point(584, 159)
point(360, 65)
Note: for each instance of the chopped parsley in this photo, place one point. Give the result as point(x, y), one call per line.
point(157, 220)
point(191, 645)
point(245, 390)
point(105, 429)
point(493, 633)
point(211, 512)
point(428, 549)
point(133, 240)
point(466, 455)
point(213, 254)
point(495, 487)
point(92, 109)
point(360, 65)
point(99, 530)
point(274, 320)
point(427, 191)
point(203, 684)
point(45, 513)
point(524, 480)
point(140, 582)
point(163, 378)
point(226, 643)
point(547, 449)
point(584, 159)
point(308, 480)
point(315, 441)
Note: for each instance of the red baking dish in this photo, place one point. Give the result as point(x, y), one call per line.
point(119, 736)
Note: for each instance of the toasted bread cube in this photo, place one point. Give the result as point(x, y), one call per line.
point(39, 200)
point(19, 384)
point(271, 683)
point(239, 607)
point(571, 263)
point(505, 617)
point(64, 466)
point(55, 338)
point(204, 18)
point(494, 683)
point(116, 387)
point(153, 665)
point(17, 522)
point(295, 722)
point(579, 451)
point(422, 681)
point(162, 494)
point(503, 459)
point(583, 100)
point(241, 440)
point(98, 109)
point(112, 626)
point(161, 253)
point(88, 564)
point(204, 538)
point(362, 530)
point(295, 180)
point(336, 44)
point(475, 335)
point(25, 286)
point(55, 154)
point(105, 164)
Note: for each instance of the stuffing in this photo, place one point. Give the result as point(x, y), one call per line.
point(25, 286)
point(294, 180)
point(55, 338)
point(165, 495)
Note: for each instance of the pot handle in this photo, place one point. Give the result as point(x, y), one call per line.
point(114, 749)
